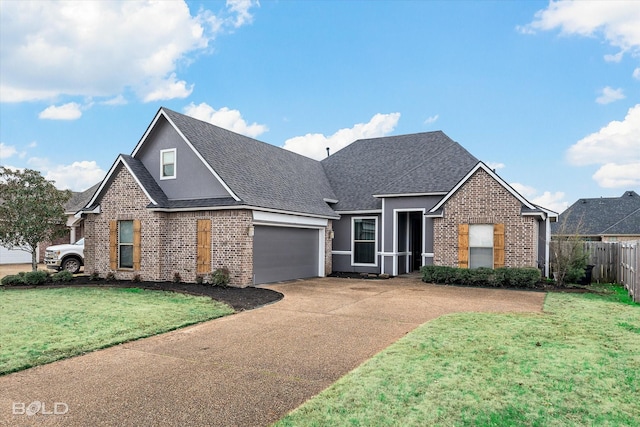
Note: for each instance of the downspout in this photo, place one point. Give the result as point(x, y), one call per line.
point(547, 242)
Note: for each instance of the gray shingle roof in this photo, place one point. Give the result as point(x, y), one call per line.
point(146, 180)
point(80, 199)
point(260, 174)
point(429, 162)
point(601, 216)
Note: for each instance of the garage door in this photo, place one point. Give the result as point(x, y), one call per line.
point(284, 253)
point(14, 256)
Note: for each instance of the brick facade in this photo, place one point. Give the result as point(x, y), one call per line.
point(482, 200)
point(169, 240)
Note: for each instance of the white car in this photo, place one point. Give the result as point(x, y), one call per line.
point(68, 257)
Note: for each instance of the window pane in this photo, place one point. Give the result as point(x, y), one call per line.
point(364, 253)
point(365, 229)
point(480, 257)
point(126, 232)
point(168, 157)
point(167, 170)
point(126, 256)
point(481, 235)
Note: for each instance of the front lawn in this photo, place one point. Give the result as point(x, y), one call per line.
point(38, 326)
point(576, 364)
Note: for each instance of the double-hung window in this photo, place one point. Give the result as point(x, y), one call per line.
point(168, 164)
point(364, 241)
point(481, 245)
point(125, 244)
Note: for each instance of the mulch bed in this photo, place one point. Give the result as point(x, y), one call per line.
point(239, 298)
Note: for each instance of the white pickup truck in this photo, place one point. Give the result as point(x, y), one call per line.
point(68, 257)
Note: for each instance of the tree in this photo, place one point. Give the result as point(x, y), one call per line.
point(31, 210)
point(568, 257)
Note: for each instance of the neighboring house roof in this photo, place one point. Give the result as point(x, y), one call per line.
point(601, 216)
point(421, 163)
point(80, 199)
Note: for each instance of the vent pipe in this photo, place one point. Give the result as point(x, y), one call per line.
point(328, 150)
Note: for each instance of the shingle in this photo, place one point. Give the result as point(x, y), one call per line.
point(605, 215)
point(260, 174)
point(429, 162)
point(146, 180)
point(80, 199)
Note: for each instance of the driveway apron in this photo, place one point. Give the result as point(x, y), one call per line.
point(247, 369)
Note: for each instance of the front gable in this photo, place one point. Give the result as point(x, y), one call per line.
point(190, 177)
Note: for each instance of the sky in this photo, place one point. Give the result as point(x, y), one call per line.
point(546, 93)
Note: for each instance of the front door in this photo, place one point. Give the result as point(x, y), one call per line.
point(415, 240)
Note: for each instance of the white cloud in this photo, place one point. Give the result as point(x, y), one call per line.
point(225, 118)
point(610, 95)
point(618, 22)
point(70, 111)
point(496, 165)
point(613, 175)
point(116, 100)
point(554, 201)
point(431, 119)
point(636, 73)
point(78, 176)
point(614, 58)
point(616, 147)
point(7, 151)
point(315, 145)
point(100, 48)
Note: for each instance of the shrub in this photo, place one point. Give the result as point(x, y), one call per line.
point(36, 278)
point(136, 278)
point(220, 277)
point(199, 279)
point(94, 276)
point(176, 277)
point(110, 277)
point(62, 276)
point(500, 277)
point(12, 280)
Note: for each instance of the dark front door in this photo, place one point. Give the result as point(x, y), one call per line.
point(415, 239)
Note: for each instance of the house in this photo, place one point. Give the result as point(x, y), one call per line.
point(192, 197)
point(606, 219)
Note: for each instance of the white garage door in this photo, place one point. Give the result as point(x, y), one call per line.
point(14, 256)
point(285, 253)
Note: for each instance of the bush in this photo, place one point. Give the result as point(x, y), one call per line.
point(220, 277)
point(176, 277)
point(35, 278)
point(136, 278)
point(500, 277)
point(94, 276)
point(62, 276)
point(199, 279)
point(12, 280)
point(110, 277)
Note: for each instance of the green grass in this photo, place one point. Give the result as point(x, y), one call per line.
point(39, 326)
point(576, 364)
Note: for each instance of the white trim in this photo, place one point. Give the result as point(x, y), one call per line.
point(340, 252)
point(108, 176)
point(353, 230)
point(321, 251)
point(175, 163)
point(492, 174)
point(236, 207)
point(438, 193)
point(428, 255)
point(272, 218)
point(363, 212)
point(547, 242)
point(382, 256)
point(329, 200)
point(186, 141)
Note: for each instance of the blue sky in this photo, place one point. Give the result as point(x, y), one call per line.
point(546, 93)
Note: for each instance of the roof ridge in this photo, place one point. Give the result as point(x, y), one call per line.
point(618, 222)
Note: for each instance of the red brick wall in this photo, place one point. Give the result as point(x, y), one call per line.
point(482, 200)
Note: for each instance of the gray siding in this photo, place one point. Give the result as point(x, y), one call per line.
point(342, 242)
point(193, 179)
point(283, 253)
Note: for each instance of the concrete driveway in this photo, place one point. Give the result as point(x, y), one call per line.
point(248, 369)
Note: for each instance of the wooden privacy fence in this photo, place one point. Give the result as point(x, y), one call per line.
point(614, 262)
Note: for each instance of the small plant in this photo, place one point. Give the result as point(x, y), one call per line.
point(176, 277)
point(136, 278)
point(94, 276)
point(199, 279)
point(220, 277)
point(36, 278)
point(62, 276)
point(12, 280)
point(110, 277)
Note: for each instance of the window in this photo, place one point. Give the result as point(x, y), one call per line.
point(364, 241)
point(125, 244)
point(168, 164)
point(480, 245)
